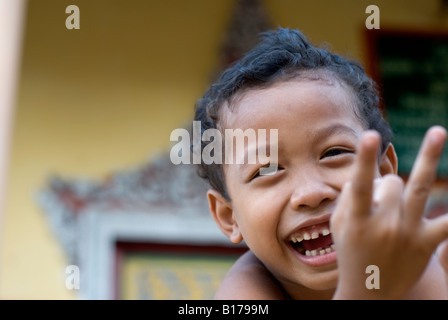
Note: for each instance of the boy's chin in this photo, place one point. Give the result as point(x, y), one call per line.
point(322, 281)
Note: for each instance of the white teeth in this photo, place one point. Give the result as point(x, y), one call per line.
point(320, 251)
point(308, 236)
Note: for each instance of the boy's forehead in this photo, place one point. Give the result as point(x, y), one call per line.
point(282, 98)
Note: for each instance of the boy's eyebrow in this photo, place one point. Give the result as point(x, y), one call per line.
point(335, 129)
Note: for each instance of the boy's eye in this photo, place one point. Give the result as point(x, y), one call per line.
point(335, 152)
point(271, 170)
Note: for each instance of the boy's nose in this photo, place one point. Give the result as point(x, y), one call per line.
point(311, 194)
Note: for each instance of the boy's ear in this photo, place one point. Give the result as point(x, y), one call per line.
point(389, 161)
point(222, 213)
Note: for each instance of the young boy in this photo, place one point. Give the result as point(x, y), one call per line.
point(334, 208)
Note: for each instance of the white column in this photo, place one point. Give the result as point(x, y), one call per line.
point(12, 20)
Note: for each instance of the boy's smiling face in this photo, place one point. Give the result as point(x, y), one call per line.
point(318, 133)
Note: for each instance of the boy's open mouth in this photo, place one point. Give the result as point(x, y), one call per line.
point(313, 241)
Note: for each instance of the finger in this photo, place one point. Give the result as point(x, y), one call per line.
point(340, 213)
point(388, 194)
point(442, 253)
point(376, 185)
point(423, 173)
point(436, 230)
point(365, 171)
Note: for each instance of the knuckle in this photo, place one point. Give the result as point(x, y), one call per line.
point(420, 190)
point(359, 188)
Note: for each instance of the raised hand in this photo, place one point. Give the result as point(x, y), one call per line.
point(381, 222)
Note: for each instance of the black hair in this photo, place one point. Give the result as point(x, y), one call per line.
point(282, 54)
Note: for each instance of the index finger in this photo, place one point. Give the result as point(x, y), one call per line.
point(424, 172)
point(365, 171)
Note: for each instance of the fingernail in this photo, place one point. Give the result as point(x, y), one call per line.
point(438, 135)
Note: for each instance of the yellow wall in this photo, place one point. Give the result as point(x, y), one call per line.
point(104, 97)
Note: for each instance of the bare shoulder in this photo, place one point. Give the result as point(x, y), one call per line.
point(248, 279)
point(432, 284)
